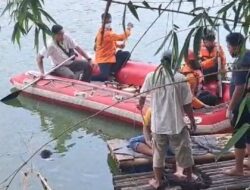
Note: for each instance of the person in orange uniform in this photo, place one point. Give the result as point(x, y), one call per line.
point(191, 70)
point(210, 51)
point(110, 60)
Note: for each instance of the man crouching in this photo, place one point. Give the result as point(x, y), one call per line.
point(169, 103)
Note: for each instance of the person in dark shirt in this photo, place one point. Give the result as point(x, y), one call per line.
point(239, 89)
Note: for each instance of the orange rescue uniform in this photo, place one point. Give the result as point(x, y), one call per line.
point(208, 64)
point(106, 45)
point(193, 78)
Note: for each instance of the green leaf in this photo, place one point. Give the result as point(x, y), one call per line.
point(48, 17)
point(196, 19)
point(175, 53)
point(179, 6)
point(164, 42)
point(237, 15)
point(194, 3)
point(36, 39)
point(145, 3)
point(225, 24)
point(160, 9)
point(124, 18)
point(208, 18)
point(8, 7)
point(235, 138)
point(44, 39)
point(132, 9)
point(197, 40)
point(241, 109)
point(176, 27)
point(226, 8)
point(184, 50)
point(198, 9)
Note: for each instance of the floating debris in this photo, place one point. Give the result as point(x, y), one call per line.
point(45, 154)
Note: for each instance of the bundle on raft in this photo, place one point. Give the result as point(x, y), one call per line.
point(210, 177)
point(204, 148)
point(96, 96)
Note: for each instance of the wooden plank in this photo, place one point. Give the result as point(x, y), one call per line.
point(147, 187)
point(234, 186)
point(219, 181)
point(115, 144)
point(129, 161)
point(117, 177)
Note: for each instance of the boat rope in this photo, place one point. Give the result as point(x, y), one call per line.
point(11, 177)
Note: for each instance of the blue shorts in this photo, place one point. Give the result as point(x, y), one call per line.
point(135, 141)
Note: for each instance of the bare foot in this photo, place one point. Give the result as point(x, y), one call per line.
point(233, 172)
point(192, 178)
point(154, 183)
point(180, 176)
point(247, 164)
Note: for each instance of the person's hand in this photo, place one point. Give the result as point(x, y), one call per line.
point(122, 45)
point(41, 75)
point(148, 140)
point(193, 125)
point(90, 62)
point(139, 107)
point(130, 26)
point(149, 143)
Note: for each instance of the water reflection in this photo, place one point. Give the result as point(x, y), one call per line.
point(55, 119)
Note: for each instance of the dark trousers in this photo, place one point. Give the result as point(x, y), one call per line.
point(245, 118)
point(111, 69)
point(74, 70)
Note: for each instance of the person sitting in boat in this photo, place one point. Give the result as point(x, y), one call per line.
point(141, 145)
point(60, 49)
point(210, 54)
point(110, 60)
point(191, 70)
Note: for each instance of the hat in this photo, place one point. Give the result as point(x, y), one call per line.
point(167, 56)
point(56, 29)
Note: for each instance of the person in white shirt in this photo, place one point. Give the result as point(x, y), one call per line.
point(169, 105)
point(60, 49)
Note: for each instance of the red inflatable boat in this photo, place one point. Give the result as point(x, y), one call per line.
point(96, 96)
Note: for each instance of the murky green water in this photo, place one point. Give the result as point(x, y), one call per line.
point(80, 159)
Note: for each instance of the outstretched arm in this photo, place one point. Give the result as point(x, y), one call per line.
point(83, 53)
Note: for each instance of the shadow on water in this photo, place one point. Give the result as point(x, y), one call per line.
point(55, 119)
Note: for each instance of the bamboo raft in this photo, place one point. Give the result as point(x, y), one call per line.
point(134, 163)
point(212, 174)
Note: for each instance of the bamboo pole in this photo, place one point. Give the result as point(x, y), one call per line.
point(44, 182)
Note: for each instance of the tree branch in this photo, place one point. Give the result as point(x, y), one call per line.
point(173, 11)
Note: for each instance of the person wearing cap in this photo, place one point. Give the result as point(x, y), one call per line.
point(210, 51)
point(168, 104)
point(107, 42)
point(191, 69)
point(60, 49)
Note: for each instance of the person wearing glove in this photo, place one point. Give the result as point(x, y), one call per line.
point(210, 51)
point(191, 70)
point(107, 43)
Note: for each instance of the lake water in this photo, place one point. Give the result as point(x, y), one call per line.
point(80, 159)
